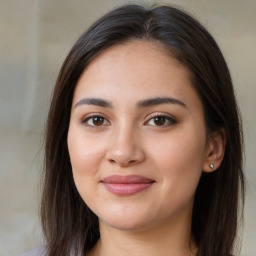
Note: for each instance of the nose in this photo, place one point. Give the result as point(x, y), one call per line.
point(125, 148)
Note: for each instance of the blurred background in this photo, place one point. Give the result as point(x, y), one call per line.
point(35, 37)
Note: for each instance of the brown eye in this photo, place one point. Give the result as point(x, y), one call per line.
point(95, 121)
point(159, 120)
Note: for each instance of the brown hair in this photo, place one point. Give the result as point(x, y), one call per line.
point(68, 224)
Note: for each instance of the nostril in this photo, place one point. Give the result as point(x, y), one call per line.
point(123, 163)
point(125, 154)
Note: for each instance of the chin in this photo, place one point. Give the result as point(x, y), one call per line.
point(127, 225)
point(128, 221)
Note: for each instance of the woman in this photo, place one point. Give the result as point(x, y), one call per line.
point(143, 142)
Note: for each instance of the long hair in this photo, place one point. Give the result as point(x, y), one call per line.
point(68, 224)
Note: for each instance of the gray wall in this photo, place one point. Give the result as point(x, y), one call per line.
point(35, 38)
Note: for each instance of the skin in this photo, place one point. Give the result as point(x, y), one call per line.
point(128, 140)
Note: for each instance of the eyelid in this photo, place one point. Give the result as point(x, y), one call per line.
point(169, 117)
point(87, 117)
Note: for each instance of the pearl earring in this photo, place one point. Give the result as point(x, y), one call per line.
point(211, 165)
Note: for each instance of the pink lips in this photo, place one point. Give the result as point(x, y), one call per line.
point(126, 185)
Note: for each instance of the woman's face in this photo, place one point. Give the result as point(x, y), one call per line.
point(137, 138)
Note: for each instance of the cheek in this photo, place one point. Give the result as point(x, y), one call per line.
point(85, 155)
point(179, 163)
point(180, 159)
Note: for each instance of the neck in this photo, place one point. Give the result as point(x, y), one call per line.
point(166, 239)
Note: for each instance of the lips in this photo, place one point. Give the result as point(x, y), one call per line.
point(126, 185)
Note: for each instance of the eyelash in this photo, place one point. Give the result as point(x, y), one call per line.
point(167, 118)
point(170, 120)
point(91, 117)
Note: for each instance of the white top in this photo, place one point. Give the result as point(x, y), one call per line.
point(40, 251)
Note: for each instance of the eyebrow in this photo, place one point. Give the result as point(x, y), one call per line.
point(94, 101)
point(158, 101)
point(141, 104)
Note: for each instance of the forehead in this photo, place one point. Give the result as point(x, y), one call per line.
point(134, 69)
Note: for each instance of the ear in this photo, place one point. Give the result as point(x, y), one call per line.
point(215, 151)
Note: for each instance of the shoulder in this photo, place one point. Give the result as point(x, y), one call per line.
point(40, 251)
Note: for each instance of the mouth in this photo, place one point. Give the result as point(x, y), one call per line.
point(126, 185)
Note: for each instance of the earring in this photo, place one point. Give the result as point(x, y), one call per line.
point(211, 165)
